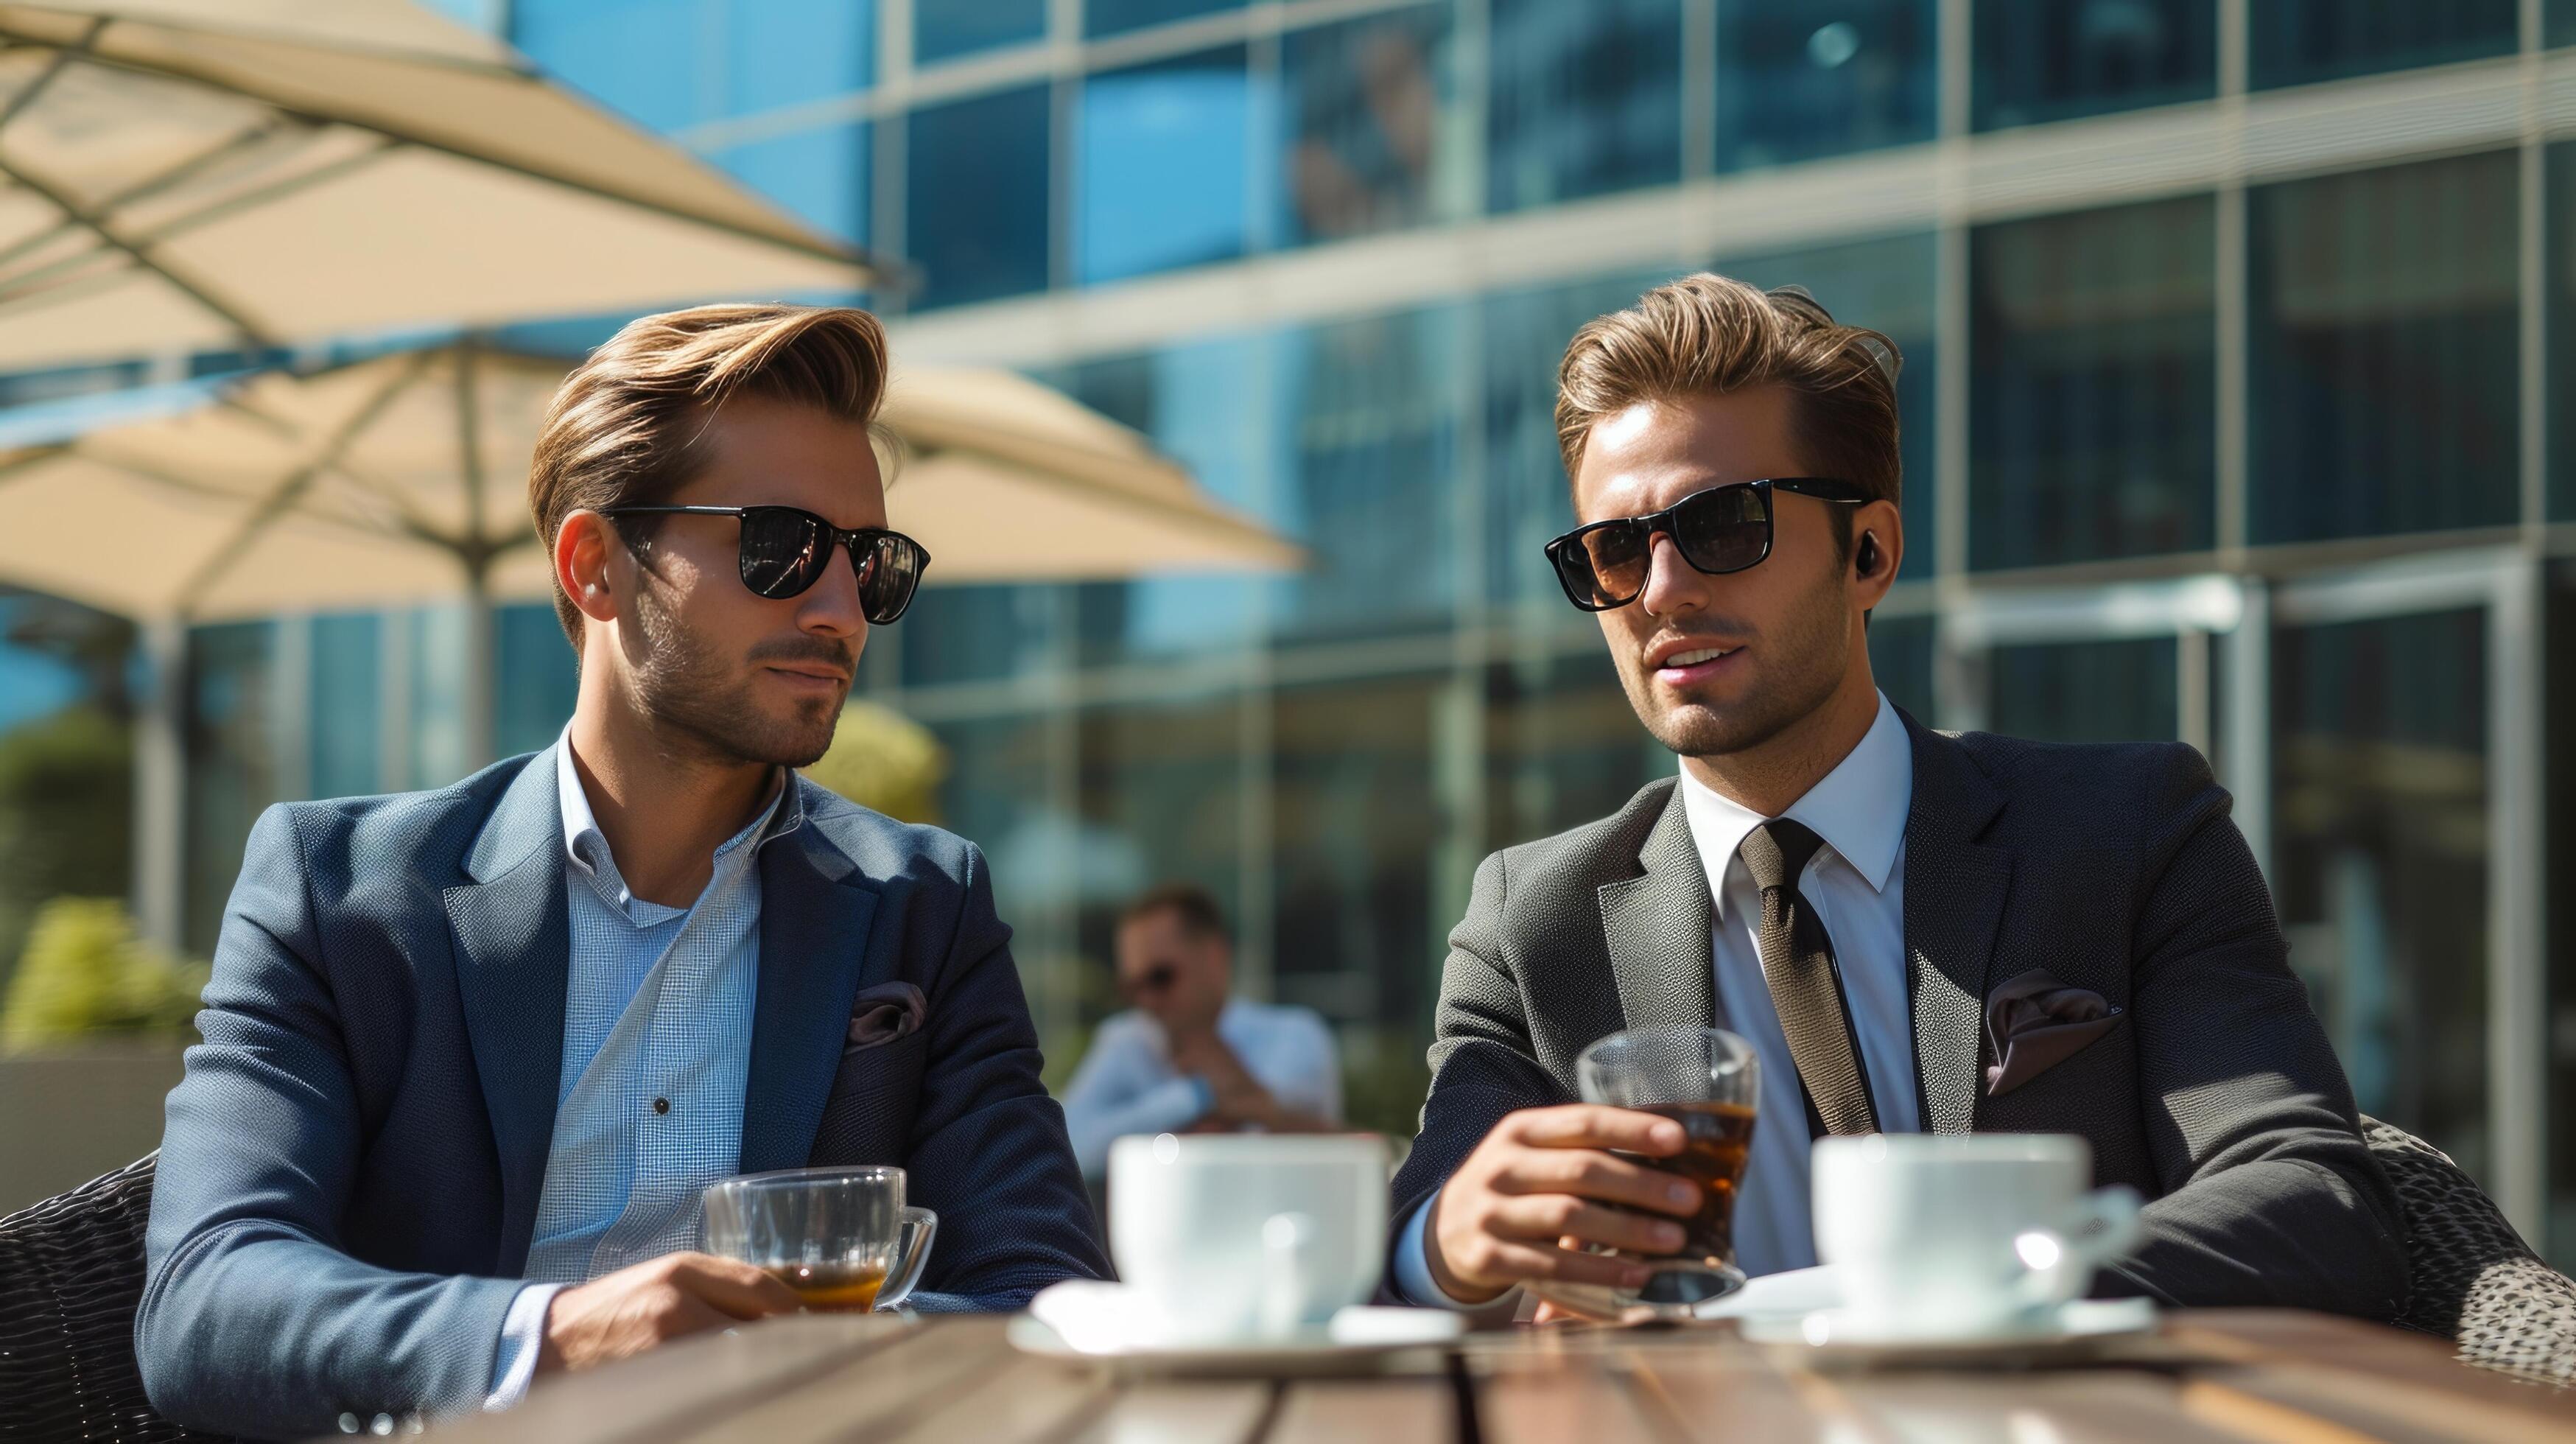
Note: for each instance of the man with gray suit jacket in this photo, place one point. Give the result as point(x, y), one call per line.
point(1915, 931)
point(470, 1055)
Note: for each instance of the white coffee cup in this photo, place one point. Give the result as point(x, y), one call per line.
point(1243, 1236)
point(1958, 1234)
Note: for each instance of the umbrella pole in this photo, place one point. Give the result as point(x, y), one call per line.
point(477, 700)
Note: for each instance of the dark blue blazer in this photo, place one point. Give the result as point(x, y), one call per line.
point(350, 1172)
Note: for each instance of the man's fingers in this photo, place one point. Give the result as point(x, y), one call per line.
point(732, 1287)
point(1585, 1173)
point(1553, 1217)
point(1592, 1125)
point(1521, 1263)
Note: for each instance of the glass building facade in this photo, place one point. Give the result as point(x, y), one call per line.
point(2233, 362)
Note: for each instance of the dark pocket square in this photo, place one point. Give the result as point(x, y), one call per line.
point(2035, 1023)
point(888, 1011)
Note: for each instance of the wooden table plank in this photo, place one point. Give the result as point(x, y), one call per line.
point(877, 1395)
point(1576, 1395)
point(1182, 1412)
point(1417, 1410)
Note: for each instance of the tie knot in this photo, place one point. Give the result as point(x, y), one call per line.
point(1777, 851)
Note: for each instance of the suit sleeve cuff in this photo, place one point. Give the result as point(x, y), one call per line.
point(523, 1337)
point(1413, 1280)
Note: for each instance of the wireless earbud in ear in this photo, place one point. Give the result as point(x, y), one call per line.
point(1868, 553)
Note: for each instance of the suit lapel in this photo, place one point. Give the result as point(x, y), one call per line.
point(1954, 898)
point(814, 946)
point(513, 956)
point(1658, 927)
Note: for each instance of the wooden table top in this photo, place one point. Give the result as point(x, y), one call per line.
point(2275, 1377)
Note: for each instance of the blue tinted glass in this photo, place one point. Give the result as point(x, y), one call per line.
point(348, 737)
point(1528, 498)
point(2559, 28)
point(1803, 78)
point(1202, 406)
point(945, 28)
point(1354, 828)
point(2042, 60)
point(232, 761)
point(1161, 786)
point(2298, 41)
point(1110, 17)
point(1900, 661)
point(1586, 99)
point(1162, 175)
point(1371, 435)
point(2104, 691)
point(821, 176)
point(1562, 746)
point(2092, 413)
point(1885, 285)
point(1371, 141)
point(653, 61)
point(536, 679)
point(975, 197)
point(976, 633)
point(782, 52)
point(2383, 350)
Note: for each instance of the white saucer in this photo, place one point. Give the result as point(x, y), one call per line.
point(2075, 1330)
point(1107, 1324)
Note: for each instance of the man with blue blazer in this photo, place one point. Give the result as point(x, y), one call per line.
point(470, 1055)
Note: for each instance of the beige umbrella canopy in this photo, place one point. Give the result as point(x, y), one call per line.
point(404, 478)
point(197, 175)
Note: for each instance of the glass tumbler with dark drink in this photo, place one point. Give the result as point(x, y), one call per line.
point(1705, 1079)
point(840, 1237)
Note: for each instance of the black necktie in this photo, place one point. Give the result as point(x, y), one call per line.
point(1798, 962)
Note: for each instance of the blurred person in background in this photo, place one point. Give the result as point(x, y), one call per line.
point(1916, 931)
point(1188, 1056)
point(471, 1055)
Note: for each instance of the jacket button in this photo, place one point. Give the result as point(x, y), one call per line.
point(661, 1105)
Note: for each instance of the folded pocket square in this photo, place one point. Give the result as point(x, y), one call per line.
point(2035, 1023)
point(886, 1012)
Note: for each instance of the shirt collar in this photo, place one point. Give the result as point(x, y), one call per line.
point(587, 847)
point(1859, 808)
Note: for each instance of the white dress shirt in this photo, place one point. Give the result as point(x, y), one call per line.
point(1127, 1083)
point(656, 1053)
point(1856, 884)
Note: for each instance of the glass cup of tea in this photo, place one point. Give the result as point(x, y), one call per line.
point(1705, 1079)
point(840, 1237)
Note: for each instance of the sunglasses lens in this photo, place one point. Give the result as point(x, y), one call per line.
point(782, 551)
point(1607, 562)
point(889, 572)
point(1725, 530)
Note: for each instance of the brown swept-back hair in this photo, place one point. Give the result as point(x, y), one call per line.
point(1195, 906)
point(1711, 334)
point(625, 427)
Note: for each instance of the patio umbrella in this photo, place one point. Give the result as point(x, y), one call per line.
point(403, 477)
point(211, 175)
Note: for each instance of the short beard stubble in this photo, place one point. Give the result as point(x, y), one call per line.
point(1803, 666)
point(684, 690)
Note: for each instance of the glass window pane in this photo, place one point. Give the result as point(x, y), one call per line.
point(2040, 60)
point(2379, 864)
point(1162, 181)
point(819, 175)
point(1113, 17)
point(2558, 634)
point(2384, 343)
point(2091, 419)
point(649, 60)
point(787, 52)
point(1201, 404)
point(1529, 500)
point(2100, 691)
point(2294, 42)
point(997, 792)
point(1587, 99)
point(1371, 436)
point(1885, 285)
point(1562, 746)
point(945, 29)
point(2559, 24)
point(1354, 829)
point(976, 633)
point(232, 765)
point(1803, 78)
point(1162, 796)
point(975, 197)
point(348, 737)
point(539, 678)
point(1374, 140)
point(1900, 661)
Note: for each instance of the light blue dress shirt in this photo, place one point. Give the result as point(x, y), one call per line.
point(656, 1052)
point(1856, 884)
point(1127, 1083)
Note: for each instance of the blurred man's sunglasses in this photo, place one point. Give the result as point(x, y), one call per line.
point(1156, 979)
point(785, 550)
point(1720, 530)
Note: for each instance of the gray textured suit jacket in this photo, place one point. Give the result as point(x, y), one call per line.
point(2113, 868)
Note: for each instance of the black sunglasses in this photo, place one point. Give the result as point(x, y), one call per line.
point(785, 550)
point(1720, 530)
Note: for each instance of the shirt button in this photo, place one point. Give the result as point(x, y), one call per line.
point(661, 1105)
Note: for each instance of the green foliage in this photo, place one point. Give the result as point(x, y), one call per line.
point(883, 760)
point(1385, 1077)
point(86, 972)
point(66, 816)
